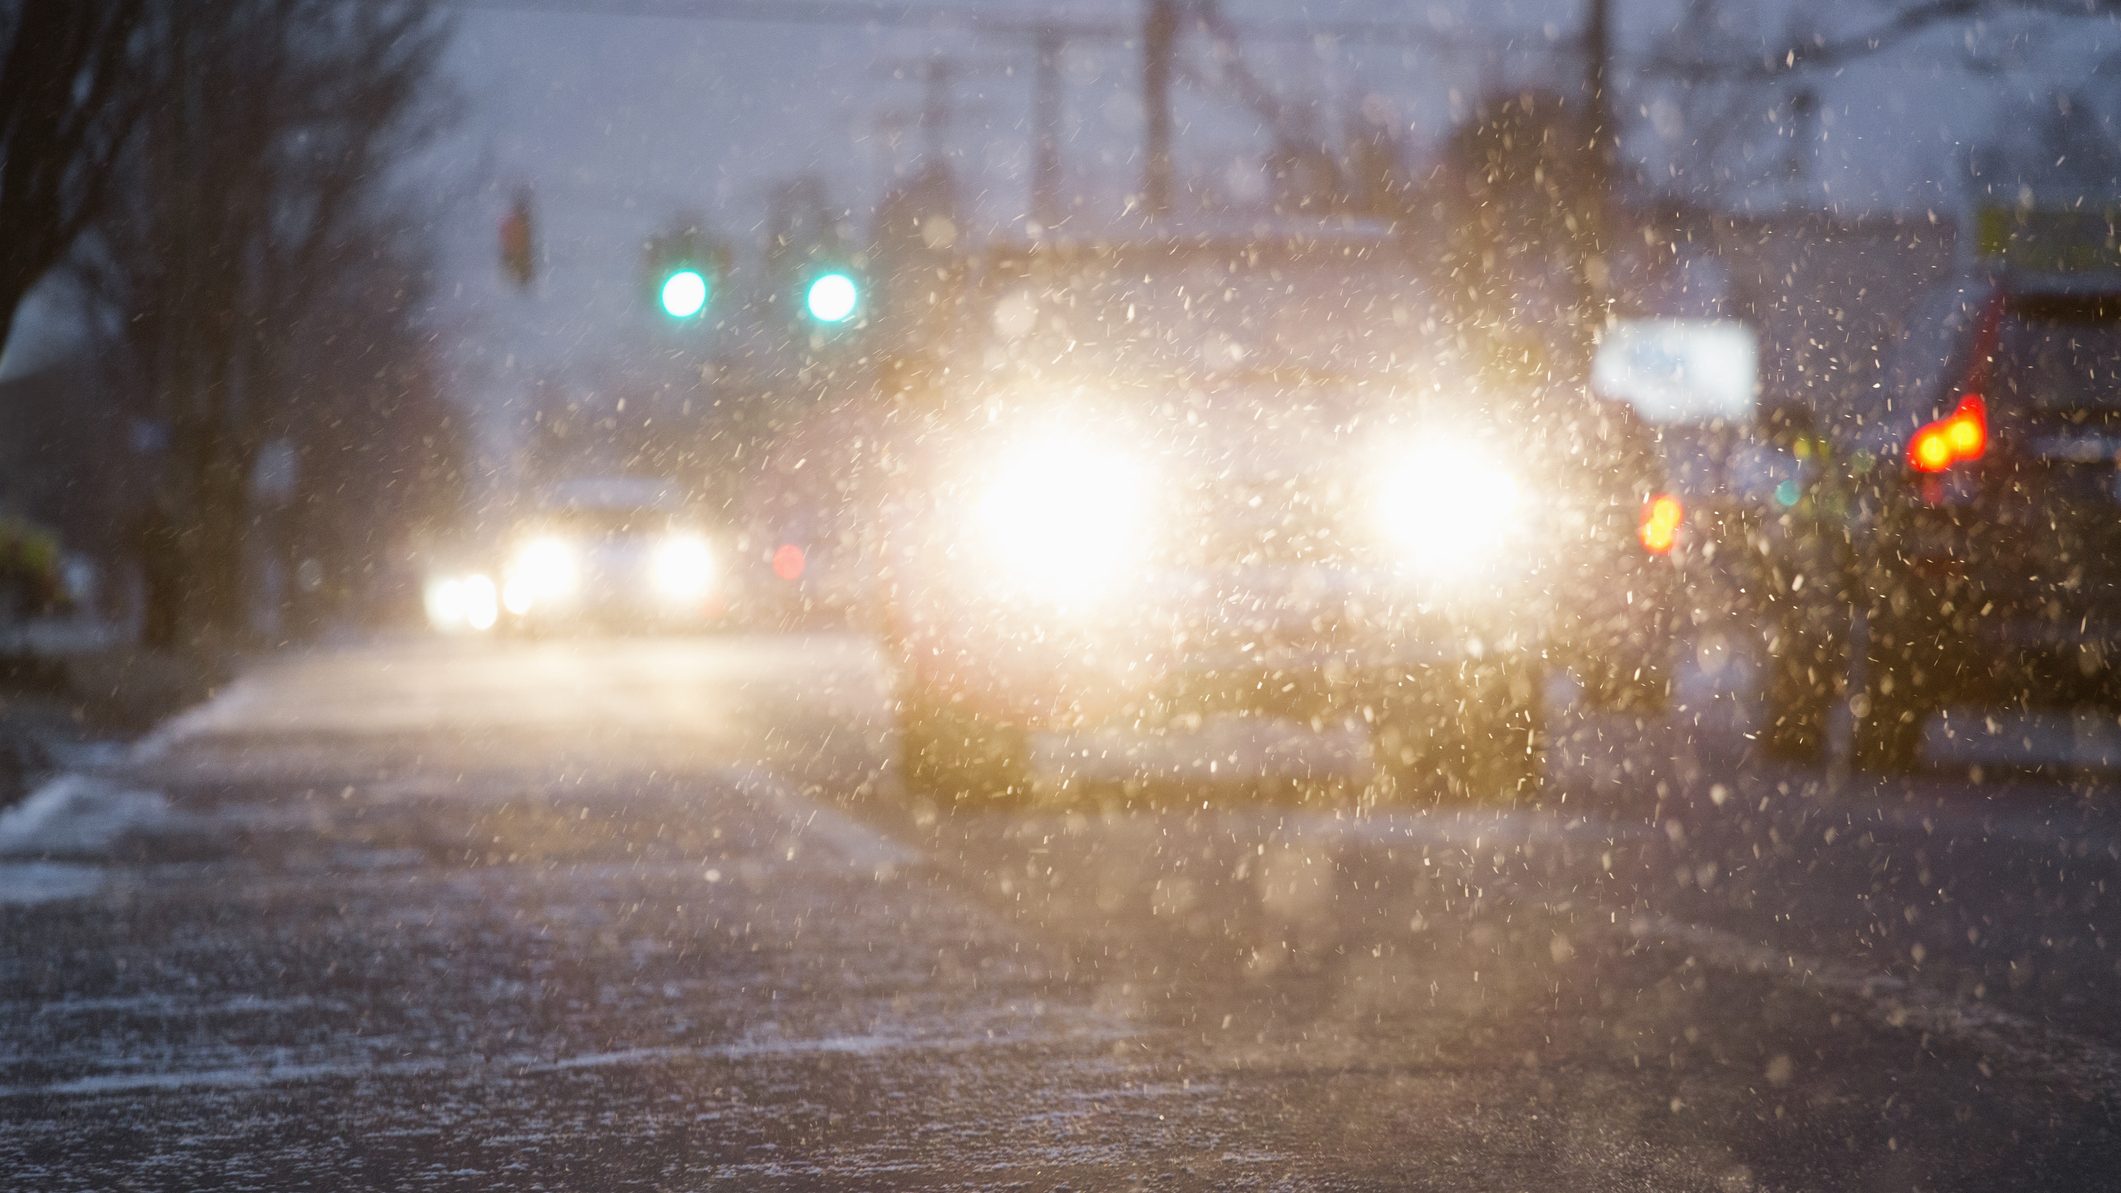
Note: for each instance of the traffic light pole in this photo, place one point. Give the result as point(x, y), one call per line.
point(1047, 43)
point(1159, 44)
point(1598, 103)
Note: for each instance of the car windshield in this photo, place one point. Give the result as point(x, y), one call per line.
point(1199, 311)
point(1060, 595)
point(605, 522)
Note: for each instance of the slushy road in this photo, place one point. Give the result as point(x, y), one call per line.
point(654, 914)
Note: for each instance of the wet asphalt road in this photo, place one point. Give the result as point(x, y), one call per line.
point(651, 914)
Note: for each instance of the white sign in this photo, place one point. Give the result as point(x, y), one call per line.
point(1680, 370)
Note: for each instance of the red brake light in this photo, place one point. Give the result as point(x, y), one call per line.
point(1960, 439)
point(1661, 516)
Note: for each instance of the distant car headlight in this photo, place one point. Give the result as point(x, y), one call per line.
point(544, 571)
point(1064, 518)
point(1450, 507)
point(466, 602)
point(683, 569)
point(482, 602)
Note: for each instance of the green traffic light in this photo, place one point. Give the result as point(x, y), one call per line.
point(684, 294)
point(832, 297)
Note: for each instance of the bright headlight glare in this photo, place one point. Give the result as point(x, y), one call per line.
point(467, 602)
point(543, 571)
point(1450, 507)
point(482, 604)
point(684, 568)
point(1064, 518)
point(444, 598)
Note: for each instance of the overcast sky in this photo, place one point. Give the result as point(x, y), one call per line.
point(620, 122)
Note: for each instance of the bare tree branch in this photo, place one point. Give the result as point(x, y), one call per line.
point(68, 91)
point(1908, 21)
point(251, 204)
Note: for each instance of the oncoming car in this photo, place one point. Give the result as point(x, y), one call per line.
point(1141, 533)
point(611, 553)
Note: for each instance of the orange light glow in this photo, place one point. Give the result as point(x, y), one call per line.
point(788, 562)
point(1931, 449)
point(1968, 429)
point(1960, 439)
point(1660, 523)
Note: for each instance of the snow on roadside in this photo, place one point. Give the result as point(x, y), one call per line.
point(226, 709)
point(26, 883)
point(77, 814)
point(69, 817)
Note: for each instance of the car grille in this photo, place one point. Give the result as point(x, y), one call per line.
point(1270, 524)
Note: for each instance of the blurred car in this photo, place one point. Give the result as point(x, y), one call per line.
point(1796, 575)
point(461, 601)
point(796, 581)
point(1988, 553)
point(1215, 502)
point(614, 553)
point(1696, 381)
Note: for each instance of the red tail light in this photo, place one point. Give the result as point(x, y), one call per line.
point(1661, 516)
point(1949, 442)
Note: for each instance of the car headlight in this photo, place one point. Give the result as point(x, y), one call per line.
point(1450, 507)
point(481, 602)
point(444, 598)
point(684, 568)
point(544, 571)
point(1064, 518)
point(465, 602)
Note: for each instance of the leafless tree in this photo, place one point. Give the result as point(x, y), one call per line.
point(1513, 192)
point(379, 446)
point(253, 190)
point(71, 89)
point(1737, 73)
point(1858, 30)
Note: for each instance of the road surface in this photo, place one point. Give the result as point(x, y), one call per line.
point(655, 914)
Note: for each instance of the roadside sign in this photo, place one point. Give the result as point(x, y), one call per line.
point(1680, 370)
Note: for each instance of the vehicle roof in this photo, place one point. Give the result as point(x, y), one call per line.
point(1218, 235)
point(613, 493)
point(2075, 284)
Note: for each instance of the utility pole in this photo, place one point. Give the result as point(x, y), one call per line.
point(936, 76)
point(1604, 170)
point(1159, 44)
point(1047, 42)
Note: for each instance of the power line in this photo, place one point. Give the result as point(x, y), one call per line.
point(968, 18)
point(940, 18)
point(1126, 27)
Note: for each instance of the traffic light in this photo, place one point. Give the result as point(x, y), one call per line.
point(684, 293)
point(684, 269)
point(519, 257)
point(833, 296)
